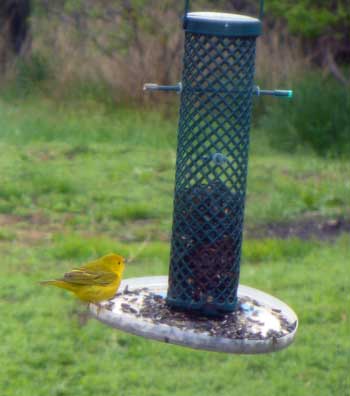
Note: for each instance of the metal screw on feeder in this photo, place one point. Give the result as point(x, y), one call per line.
point(217, 90)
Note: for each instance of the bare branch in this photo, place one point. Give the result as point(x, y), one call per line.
point(334, 69)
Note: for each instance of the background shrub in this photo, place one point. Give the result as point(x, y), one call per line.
point(317, 118)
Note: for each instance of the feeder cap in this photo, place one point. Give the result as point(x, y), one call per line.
point(222, 24)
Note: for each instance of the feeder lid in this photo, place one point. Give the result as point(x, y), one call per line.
point(222, 24)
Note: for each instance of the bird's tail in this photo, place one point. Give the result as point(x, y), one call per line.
point(58, 283)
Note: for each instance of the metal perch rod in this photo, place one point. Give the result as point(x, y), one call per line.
point(256, 90)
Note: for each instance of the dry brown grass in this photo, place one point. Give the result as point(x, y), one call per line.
point(90, 50)
point(280, 58)
point(76, 55)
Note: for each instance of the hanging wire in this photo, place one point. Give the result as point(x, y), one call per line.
point(187, 9)
point(187, 6)
point(262, 13)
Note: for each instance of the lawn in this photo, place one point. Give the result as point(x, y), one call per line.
point(79, 180)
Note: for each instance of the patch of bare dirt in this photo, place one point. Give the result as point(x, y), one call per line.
point(305, 228)
point(32, 237)
point(29, 229)
point(37, 228)
point(8, 219)
point(35, 219)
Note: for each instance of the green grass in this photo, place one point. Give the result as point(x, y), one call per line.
point(78, 181)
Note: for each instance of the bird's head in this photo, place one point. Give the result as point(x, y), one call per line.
point(114, 262)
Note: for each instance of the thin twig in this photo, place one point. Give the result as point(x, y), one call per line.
point(141, 248)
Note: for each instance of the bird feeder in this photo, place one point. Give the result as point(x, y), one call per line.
point(217, 90)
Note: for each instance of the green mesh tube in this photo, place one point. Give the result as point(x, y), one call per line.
point(211, 167)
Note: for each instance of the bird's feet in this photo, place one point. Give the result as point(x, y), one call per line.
point(98, 307)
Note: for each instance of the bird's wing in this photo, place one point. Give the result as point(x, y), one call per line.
point(89, 278)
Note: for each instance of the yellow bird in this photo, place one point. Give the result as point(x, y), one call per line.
point(95, 281)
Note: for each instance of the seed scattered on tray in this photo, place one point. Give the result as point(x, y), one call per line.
point(248, 322)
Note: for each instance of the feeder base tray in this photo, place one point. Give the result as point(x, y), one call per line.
point(261, 323)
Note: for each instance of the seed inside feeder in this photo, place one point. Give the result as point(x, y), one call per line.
point(206, 245)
